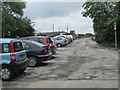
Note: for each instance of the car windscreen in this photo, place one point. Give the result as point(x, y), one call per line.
point(60, 38)
point(54, 38)
point(18, 46)
point(49, 40)
point(37, 43)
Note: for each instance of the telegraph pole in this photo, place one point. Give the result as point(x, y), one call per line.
point(53, 27)
point(58, 29)
point(67, 28)
point(115, 35)
point(60, 26)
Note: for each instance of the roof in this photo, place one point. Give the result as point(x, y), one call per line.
point(34, 37)
point(52, 34)
point(6, 40)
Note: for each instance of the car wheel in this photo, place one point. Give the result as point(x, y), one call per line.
point(53, 51)
point(6, 73)
point(58, 45)
point(33, 61)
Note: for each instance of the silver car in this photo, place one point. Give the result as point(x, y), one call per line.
point(59, 41)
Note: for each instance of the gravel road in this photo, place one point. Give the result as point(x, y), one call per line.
point(81, 64)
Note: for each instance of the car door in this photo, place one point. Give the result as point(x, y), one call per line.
point(19, 51)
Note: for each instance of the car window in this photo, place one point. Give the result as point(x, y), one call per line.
point(49, 40)
point(63, 36)
point(40, 40)
point(4, 48)
point(18, 46)
point(26, 46)
point(54, 38)
point(59, 38)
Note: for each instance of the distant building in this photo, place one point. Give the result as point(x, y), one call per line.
point(84, 35)
point(51, 34)
point(89, 34)
point(81, 35)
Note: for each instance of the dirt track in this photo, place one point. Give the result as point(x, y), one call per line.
point(76, 65)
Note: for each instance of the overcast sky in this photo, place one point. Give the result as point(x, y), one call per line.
point(61, 14)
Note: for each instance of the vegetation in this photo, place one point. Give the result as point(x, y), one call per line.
point(72, 32)
point(13, 23)
point(104, 16)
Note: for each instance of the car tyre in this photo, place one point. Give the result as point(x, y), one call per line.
point(6, 73)
point(58, 45)
point(33, 61)
point(53, 51)
point(22, 70)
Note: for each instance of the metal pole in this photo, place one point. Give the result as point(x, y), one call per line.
point(115, 39)
point(58, 29)
point(53, 27)
point(115, 35)
point(60, 26)
point(67, 28)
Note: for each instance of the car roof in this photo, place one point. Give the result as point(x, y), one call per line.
point(6, 40)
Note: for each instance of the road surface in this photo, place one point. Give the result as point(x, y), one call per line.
point(81, 64)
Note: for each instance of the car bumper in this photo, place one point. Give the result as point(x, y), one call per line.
point(53, 50)
point(45, 57)
point(17, 66)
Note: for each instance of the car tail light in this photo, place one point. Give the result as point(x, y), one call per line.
point(46, 51)
point(13, 58)
point(11, 47)
point(64, 40)
point(51, 46)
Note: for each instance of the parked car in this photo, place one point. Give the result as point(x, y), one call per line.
point(65, 37)
point(59, 41)
point(44, 40)
point(70, 38)
point(36, 52)
point(13, 58)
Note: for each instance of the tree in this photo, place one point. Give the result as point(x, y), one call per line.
point(13, 23)
point(103, 14)
point(72, 32)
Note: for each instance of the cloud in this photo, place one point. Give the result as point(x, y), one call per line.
point(75, 22)
point(50, 9)
point(60, 14)
point(55, 0)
